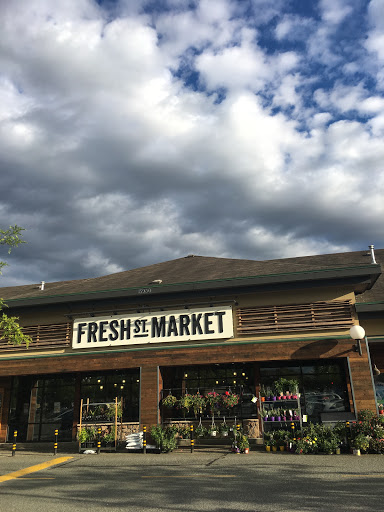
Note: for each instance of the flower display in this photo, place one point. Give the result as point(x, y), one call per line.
point(229, 400)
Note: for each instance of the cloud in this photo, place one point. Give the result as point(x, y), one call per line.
point(132, 134)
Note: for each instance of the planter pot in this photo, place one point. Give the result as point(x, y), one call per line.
point(274, 448)
point(274, 398)
point(266, 418)
point(278, 418)
point(284, 397)
point(281, 448)
point(272, 418)
point(267, 448)
point(213, 433)
point(356, 451)
point(263, 399)
point(246, 450)
point(338, 451)
point(381, 412)
point(225, 434)
point(283, 418)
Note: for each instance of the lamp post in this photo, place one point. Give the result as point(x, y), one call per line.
point(357, 333)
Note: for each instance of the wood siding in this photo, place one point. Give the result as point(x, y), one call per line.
point(295, 318)
point(43, 337)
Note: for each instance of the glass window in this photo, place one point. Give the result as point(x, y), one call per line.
point(121, 384)
point(322, 385)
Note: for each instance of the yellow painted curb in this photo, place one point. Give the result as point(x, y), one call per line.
point(33, 469)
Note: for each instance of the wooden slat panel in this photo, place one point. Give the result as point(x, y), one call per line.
point(43, 337)
point(298, 317)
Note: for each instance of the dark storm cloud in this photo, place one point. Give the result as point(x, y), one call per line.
point(111, 162)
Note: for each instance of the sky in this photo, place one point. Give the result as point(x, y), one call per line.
point(139, 131)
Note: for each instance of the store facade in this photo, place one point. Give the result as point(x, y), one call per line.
point(190, 325)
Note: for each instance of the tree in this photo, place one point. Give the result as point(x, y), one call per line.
point(9, 325)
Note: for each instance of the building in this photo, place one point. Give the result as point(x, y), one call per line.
point(195, 323)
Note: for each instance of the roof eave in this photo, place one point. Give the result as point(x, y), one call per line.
point(359, 278)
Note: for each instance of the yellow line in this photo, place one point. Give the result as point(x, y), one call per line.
point(33, 469)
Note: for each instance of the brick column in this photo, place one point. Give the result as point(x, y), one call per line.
point(149, 395)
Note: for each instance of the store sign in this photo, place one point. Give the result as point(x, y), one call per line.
point(182, 325)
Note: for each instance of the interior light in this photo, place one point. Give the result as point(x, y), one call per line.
point(235, 373)
point(138, 380)
point(217, 382)
point(101, 387)
point(123, 381)
point(234, 382)
point(185, 375)
point(121, 387)
point(98, 381)
point(243, 374)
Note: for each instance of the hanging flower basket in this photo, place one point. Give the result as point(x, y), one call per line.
point(229, 400)
point(169, 401)
point(213, 400)
point(185, 402)
point(198, 403)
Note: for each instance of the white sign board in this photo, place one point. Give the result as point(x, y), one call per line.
point(180, 325)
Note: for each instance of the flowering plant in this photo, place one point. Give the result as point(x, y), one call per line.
point(185, 402)
point(169, 401)
point(212, 400)
point(230, 399)
point(198, 403)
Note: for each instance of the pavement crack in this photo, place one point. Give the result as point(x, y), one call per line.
point(216, 459)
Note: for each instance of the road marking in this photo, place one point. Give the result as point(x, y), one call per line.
point(33, 469)
point(190, 476)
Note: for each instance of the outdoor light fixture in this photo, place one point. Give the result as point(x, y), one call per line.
point(357, 333)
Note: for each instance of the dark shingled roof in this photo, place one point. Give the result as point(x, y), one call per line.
point(194, 269)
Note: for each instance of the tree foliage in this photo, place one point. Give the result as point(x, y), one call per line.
point(9, 325)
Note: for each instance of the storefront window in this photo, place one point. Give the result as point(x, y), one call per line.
point(322, 385)
point(104, 388)
point(237, 378)
point(40, 405)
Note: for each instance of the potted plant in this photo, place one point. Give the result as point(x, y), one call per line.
point(280, 386)
point(229, 399)
point(224, 429)
point(294, 385)
point(198, 403)
point(213, 400)
point(109, 436)
point(82, 436)
point(264, 414)
point(169, 401)
point(212, 430)
point(185, 402)
point(87, 437)
point(263, 393)
point(243, 443)
point(200, 431)
point(164, 438)
point(359, 444)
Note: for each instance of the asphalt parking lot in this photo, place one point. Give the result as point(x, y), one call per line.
point(206, 480)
